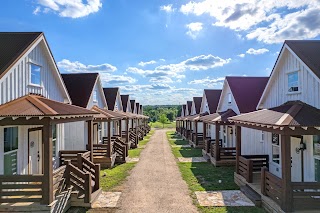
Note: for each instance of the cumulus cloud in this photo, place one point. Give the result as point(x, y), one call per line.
point(210, 82)
point(167, 8)
point(269, 21)
point(76, 66)
point(252, 51)
point(194, 29)
point(70, 8)
point(161, 79)
point(116, 79)
point(242, 55)
point(142, 64)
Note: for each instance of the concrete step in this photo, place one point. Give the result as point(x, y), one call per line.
point(251, 194)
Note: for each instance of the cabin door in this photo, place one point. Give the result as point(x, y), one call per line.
point(230, 136)
point(35, 152)
point(295, 160)
point(95, 133)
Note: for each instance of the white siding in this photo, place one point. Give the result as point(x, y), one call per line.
point(100, 98)
point(223, 102)
point(204, 104)
point(76, 135)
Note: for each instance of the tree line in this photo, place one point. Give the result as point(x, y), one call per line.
point(155, 112)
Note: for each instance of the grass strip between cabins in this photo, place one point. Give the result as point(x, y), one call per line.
point(205, 177)
point(157, 125)
point(114, 177)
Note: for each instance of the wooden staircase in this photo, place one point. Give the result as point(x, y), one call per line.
point(251, 194)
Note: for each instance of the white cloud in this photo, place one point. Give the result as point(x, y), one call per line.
point(269, 21)
point(161, 79)
point(69, 8)
point(142, 64)
point(252, 51)
point(76, 67)
point(194, 29)
point(36, 11)
point(167, 8)
point(210, 82)
point(116, 79)
point(242, 55)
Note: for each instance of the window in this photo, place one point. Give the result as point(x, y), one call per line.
point(275, 148)
point(229, 98)
point(316, 156)
point(35, 77)
point(99, 133)
point(54, 140)
point(95, 96)
point(10, 150)
point(262, 135)
point(293, 82)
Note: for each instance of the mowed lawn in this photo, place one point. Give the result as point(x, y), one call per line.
point(206, 177)
point(160, 125)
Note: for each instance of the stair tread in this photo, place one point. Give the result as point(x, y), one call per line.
point(250, 193)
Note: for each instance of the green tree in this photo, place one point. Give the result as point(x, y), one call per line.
point(163, 119)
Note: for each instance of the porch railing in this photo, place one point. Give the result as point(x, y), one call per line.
point(72, 155)
point(227, 153)
point(21, 188)
point(306, 195)
point(207, 144)
point(59, 179)
point(213, 148)
point(252, 163)
point(89, 167)
point(271, 185)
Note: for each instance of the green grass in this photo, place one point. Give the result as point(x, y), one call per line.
point(115, 176)
point(134, 153)
point(205, 177)
point(160, 125)
point(146, 138)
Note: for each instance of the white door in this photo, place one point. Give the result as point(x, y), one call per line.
point(35, 152)
point(295, 160)
point(230, 136)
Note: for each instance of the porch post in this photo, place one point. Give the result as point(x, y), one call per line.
point(90, 141)
point(137, 137)
point(287, 197)
point(204, 131)
point(238, 147)
point(47, 185)
point(120, 128)
point(109, 153)
point(217, 143)
point(127, 131)
point(196, 129)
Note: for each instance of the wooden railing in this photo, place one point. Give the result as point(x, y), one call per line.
point(21, 188)
point(213, 148)
point(306, 195)
point(72, 155)
point(80, 180)
point(101, 150)
point(120, 148)
point(59, 179)
point(252, 163)
point(271, 185)
point(227, 153)
point(89, 167)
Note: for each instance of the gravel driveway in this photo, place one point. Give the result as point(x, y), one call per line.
point(155, 184)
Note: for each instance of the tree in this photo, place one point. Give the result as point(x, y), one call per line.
point(163, 119)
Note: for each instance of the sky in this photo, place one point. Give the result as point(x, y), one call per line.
point(168, 51)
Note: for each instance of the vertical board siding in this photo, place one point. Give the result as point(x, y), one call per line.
point(16, 81)
point(223, 103)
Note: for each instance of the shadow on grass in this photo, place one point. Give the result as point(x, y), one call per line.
point(186, 152)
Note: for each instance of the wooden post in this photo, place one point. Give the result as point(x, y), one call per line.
point(87, 188)
point(263, 180)
point(109, 153)
point(90, 140)
point(97, 176)
point(120, 128)
point(217, 142)
point(204, 132)
point(137, 133)
point(127, 132)
point(79, 161)
point(196, 135)
point(287, 197)
point(47, 185)
point(238, 147)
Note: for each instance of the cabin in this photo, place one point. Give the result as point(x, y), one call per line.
point(35, 107)
point(196, 127)
point(180, 128)
point(282, 162)
point(186, 123)
point(239, 95)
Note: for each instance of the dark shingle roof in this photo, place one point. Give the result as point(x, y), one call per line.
point(124, 100)
point(247, 91)
point(138, 108)
point(12, 45)
point(197, 103)
point(111, 96)
point(183, 109)
point(80, 86)
point(132, 102)
point(308, 51)
point(189, 105)
point(213, 96)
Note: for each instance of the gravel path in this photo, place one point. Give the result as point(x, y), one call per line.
point(156, 185)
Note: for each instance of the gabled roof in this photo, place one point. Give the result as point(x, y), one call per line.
point(213, 96)
point(197, 104)
point(107, 114)
point(80, 87)
point(138, 108)
point(132, 102)
point(111, 96)
point(183, 108)
point(13, 45)
point(218, 117)
point(189, 105)
point(35, 105)
point(308, 51)
point(124, 100)
point(292, 113)
point(247, 91)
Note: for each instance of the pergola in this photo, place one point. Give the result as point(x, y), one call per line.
point(37, 110)
point(293, 118)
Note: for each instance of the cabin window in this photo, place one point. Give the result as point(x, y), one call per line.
point(35, 77)
point(316, 155)
point(275, 148)
point(262, 135)
point(229, 98)
point(10, 150)
point(95, 96)
point(293, 82)
point(99, 133)
point(54, 141)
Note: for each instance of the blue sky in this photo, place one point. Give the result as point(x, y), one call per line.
point(164, 52)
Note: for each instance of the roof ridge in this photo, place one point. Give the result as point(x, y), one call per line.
point(289, 115)
point(40, 105)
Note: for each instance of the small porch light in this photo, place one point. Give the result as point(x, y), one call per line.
point(301, 147)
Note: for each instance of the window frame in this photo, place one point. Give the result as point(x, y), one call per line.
point(54, 142)
point(30, 74)
point(229, 98)
point(296, 71)
point(95, 96)
point(273, 145)
point(12, 150)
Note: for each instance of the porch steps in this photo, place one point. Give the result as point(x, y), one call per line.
point(251, 194)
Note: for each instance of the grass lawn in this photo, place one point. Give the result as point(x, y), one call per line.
point(186, 152)
point(160, 125)
point(134, 153)
point(174, 139)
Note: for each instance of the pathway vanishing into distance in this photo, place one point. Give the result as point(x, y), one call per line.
point(155, 184)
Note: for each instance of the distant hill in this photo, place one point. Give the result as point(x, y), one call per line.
point(172, 111)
